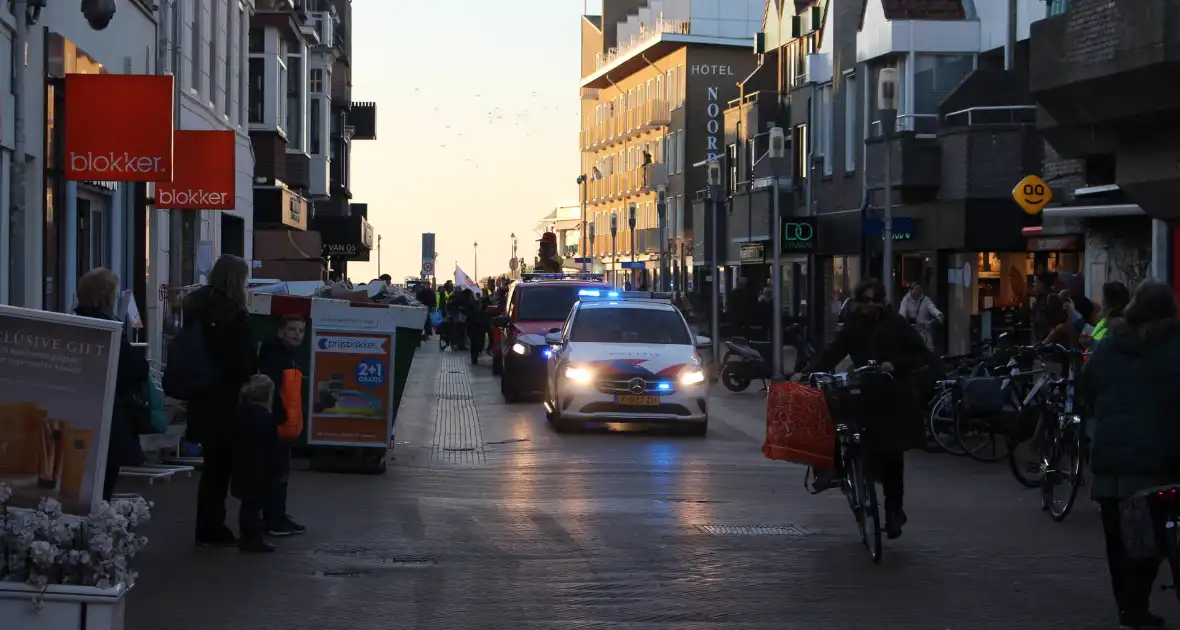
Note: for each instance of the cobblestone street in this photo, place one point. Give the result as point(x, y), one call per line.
point(487, 518)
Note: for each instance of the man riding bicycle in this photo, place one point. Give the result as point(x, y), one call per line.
point(874, 332)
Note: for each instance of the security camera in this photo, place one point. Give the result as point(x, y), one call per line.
point(98, 13)
point(887, 89)
point(778, 143)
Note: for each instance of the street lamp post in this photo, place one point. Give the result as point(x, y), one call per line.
point(661, 210)
point(887, 103)
point(517, 262)
point(591, 241)
point(584, 181)
point(475, 253)
point(778, 151)
point(631, 224)
point(614, 248)
point(714, 171)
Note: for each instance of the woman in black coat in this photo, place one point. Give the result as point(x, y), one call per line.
point(220, 309)
point(875, 332)
point(97, 291)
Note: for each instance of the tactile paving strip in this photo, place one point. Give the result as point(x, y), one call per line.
point(458, 440)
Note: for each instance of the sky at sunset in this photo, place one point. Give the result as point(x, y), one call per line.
point(477, 126)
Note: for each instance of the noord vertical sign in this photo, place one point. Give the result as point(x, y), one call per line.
point(118, 127)
point(1032, 194)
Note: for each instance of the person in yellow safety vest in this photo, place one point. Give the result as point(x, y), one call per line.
point(443, 295)
point(1115, 298)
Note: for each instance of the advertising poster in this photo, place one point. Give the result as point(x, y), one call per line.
point(351, 389)
point(57, 383)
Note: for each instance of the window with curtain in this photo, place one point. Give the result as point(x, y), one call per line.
point(317, 127)
point(213, 31)
point(195, 70)
point(229, 65)
point(935, 77)
point(294, 121)
point(257, 90)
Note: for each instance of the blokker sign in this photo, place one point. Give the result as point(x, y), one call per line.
point(118, 127)
point(205, 172)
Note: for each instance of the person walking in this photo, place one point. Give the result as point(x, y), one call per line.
point(919, 310)
point(428, 299)
point(255, 467)
point(219, 308)
point(275, 356)
point(474, 309)
point(97, 292)
point(1115, 298)
point(1129, 384)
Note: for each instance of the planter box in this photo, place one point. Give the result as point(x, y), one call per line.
point(72, 607)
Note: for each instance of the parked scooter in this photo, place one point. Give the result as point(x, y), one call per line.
point(747, 360)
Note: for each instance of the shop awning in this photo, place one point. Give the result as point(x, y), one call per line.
point(1094, 212)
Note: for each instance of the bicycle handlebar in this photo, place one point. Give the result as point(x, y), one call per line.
point(872, 367)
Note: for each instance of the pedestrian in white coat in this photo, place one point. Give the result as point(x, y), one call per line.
point(919, 310)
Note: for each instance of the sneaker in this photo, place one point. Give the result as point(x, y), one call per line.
point(286, 528)
point(220, 537)
point(824, 480)
point(894, 521)
point(257, 546)
point(1132, 621)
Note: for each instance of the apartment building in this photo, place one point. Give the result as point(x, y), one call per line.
point(655, 77)
point(302, 133)
point(1101, 74)
point(964, 136)
point(336, 122)
point(65, 228)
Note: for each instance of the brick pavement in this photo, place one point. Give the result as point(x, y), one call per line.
point(608, 530)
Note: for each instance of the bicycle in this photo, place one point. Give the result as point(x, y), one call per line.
point(1058, 439)
point(843, 392)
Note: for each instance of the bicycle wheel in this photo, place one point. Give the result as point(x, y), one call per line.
point(980, 438)
point(941, 424)
point(868, 515)
point(1063, 477)
point(1026, 456)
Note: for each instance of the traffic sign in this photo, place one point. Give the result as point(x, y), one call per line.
point(427, 267)
point(1032, 194)
point(579, 260)
point(633, 265)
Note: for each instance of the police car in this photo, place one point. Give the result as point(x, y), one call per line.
point(626, 357)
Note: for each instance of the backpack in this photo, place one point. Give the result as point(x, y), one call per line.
point(189, 370)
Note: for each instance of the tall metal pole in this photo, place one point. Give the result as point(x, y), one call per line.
point(776, 278)
point(378, 255)
point(614, 249)
point(16, 231)
point(631, 225)
point(1010, 42)
point(715, 316)
point(475, 254)
point(585, 240)
point(888, 120)
point(661, 210)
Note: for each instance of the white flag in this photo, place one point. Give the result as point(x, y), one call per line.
point(463, 280)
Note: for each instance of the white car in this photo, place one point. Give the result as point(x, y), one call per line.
point(626, 357)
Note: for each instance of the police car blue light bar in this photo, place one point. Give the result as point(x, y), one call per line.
point(593, 277)
point(649, 296)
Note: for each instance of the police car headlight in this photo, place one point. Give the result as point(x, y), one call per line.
point(520, 348)
point(692, 377)
point(581, 376)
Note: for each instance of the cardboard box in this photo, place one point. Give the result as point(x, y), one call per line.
point(287, 245)
point(289, 270)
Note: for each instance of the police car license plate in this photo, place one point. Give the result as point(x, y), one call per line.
point(639, 400)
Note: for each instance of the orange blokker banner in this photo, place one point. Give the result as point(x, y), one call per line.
point(118, 127)
point(204, 172)
point(351, 389)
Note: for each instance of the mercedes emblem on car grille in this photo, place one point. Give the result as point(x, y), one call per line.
point(636, 385)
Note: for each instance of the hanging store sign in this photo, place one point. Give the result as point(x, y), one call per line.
point(798, 235)
point(753, 253)
point(713, 125)
point(205, 172)
point(118, 127)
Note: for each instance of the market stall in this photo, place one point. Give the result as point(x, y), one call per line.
point(355, 359)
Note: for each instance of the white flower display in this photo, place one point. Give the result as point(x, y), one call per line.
point(41, 547)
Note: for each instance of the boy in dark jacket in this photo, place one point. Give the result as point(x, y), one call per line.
point(275, 356)
point(255, 445)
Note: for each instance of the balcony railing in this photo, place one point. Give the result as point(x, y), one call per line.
point(628, 183)
point(645, 36)
point(648, 116)
point(922, 125)
point(994, 115)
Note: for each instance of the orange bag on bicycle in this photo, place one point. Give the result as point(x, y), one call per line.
point(798, 426)
point(291, 393)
